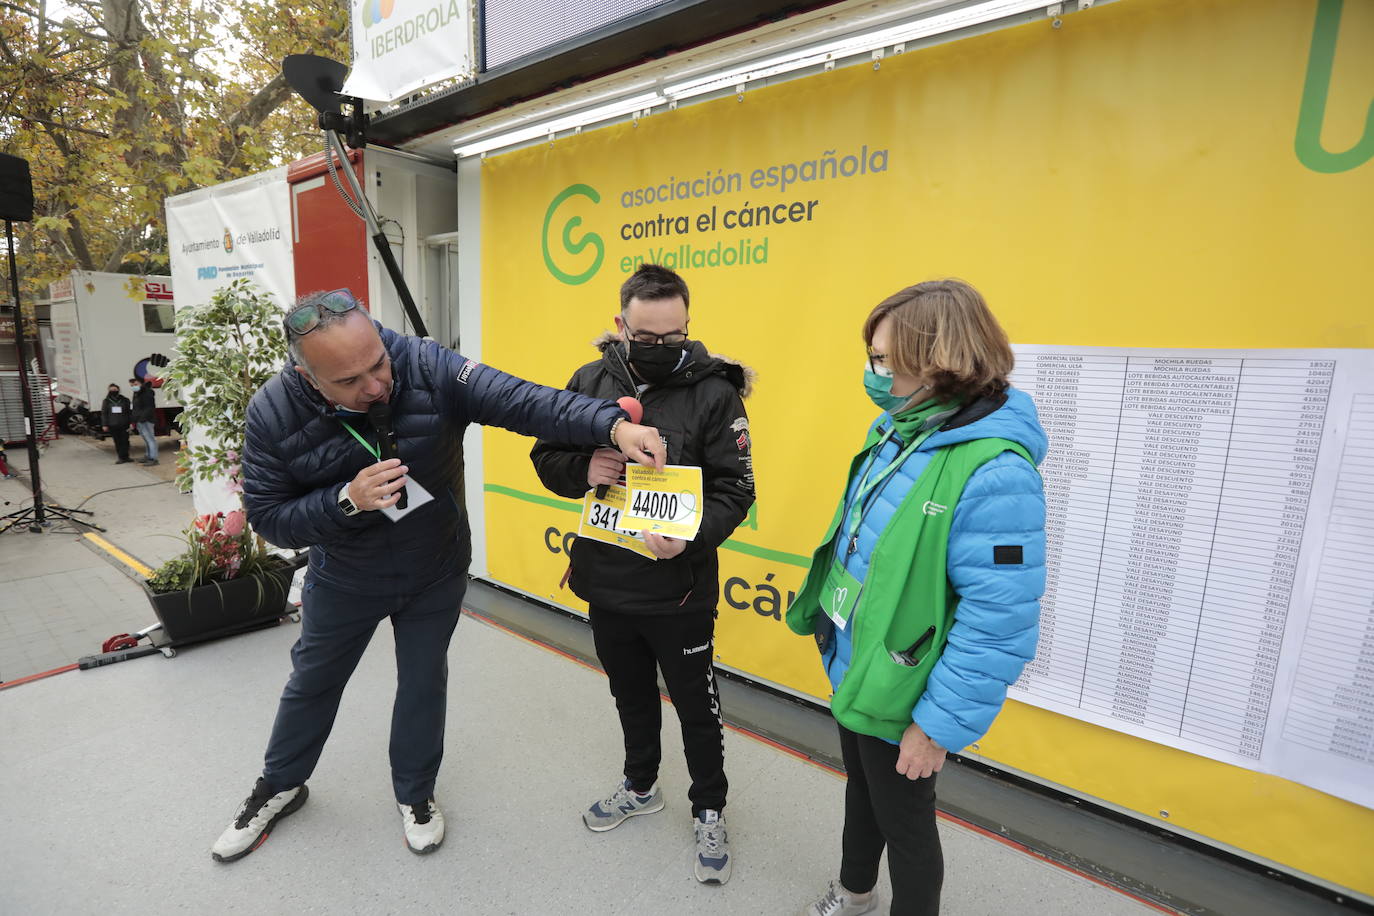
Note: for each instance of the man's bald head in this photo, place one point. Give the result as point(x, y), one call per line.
point(344, 359)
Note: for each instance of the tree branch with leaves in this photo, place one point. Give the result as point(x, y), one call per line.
point(126, 102)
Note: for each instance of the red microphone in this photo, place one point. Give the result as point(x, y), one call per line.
point(632, 407)
point(636, 411)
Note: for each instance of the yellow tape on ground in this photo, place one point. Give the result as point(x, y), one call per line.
point(137, 566)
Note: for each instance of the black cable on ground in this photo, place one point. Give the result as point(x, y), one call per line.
point(136, 486)
point(67, 527)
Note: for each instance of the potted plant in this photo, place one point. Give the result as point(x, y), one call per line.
point(228, 578)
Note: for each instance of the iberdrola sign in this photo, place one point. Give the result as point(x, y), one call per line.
point(400, 46)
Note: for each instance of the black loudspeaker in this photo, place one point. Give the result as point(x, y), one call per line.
point(16, 189)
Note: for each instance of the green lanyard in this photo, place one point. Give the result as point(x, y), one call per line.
point(376, 453)
point(859, 511)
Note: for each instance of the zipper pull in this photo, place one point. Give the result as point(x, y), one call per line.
point(853, 546)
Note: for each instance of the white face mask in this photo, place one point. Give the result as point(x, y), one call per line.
point(138, 387)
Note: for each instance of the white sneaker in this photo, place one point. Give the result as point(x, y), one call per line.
point(840, 902)
point(256, 817)
point(424, 826)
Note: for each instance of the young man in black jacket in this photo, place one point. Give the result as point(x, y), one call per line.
point(145, 418)
point(660, 611)
point(115, 416)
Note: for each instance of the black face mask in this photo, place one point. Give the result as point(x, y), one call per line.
point(654, 362)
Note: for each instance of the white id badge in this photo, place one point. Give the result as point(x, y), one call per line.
point(115, 408)
point(416, 496)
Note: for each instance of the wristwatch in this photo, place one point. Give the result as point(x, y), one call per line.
point(349, 507)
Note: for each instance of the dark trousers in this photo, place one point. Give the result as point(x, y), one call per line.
point(120, 435)
point(336, 627)
point(682, 646)
point(884, 808)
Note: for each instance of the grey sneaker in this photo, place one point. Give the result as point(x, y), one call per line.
point(840, 902)
point(712, 864)
point(255, 819)
point(623, 802)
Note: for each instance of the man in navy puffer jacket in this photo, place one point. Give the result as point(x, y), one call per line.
point(311, 478)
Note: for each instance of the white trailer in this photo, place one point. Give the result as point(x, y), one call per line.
point(105, 327)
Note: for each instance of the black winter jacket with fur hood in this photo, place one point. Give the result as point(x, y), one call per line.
point(699, 410)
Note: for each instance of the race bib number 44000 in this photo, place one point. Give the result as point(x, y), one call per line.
point(667, 502)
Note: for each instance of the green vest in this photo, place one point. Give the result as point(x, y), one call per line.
point(905, 593)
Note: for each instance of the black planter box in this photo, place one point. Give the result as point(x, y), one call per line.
point(224, 608)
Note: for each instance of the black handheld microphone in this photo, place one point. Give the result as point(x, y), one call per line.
point(379, 415)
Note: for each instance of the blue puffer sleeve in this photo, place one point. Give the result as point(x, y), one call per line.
point(280, 509)
point(481, 394)
point(997, 619)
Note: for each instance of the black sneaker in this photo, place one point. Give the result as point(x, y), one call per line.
point(255, 819)
point(123, 460)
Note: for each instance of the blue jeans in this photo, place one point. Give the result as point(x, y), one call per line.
point(145, 429)
point(336, 627)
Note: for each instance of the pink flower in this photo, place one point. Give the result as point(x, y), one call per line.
point(234, 523)
point(231, 456)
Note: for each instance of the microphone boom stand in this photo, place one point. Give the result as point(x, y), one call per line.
point(331, 122)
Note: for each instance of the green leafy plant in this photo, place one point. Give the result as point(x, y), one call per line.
point(227, 349)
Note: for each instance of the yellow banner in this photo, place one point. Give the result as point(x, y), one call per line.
point(1157, 173)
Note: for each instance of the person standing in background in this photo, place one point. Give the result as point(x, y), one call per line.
point(115, 416)
point(145, 415)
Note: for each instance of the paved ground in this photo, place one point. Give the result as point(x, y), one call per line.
point(115, 781)
point(60, 597)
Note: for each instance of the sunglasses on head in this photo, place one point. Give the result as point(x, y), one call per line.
point(306, 318)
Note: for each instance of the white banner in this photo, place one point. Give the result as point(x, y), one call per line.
point(1208, 537)
point(237, 229)
point(220, 234)
point(401, 45)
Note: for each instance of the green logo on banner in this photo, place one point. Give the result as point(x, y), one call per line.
point(569, 244)
point(1320, 62)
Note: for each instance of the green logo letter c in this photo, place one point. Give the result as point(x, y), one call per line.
point(1320, 62)
point(571, 245)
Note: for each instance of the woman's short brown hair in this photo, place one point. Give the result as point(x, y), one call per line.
point(942, 330)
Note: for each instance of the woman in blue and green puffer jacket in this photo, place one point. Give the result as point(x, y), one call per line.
point(924, 595)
